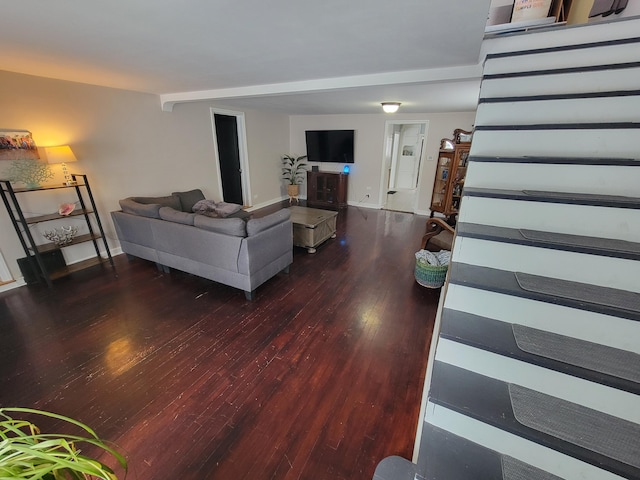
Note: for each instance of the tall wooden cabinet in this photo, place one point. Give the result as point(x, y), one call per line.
point(451, 171)
point(327, 190)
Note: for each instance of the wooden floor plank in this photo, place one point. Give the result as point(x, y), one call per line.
point(319, 377)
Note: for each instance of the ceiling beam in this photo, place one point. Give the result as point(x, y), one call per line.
point(436, 75)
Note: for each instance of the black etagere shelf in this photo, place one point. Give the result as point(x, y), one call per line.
point(34, 250)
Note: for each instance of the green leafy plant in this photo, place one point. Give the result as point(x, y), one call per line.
point(294, 169)
point(26, 453)
point(31, 172)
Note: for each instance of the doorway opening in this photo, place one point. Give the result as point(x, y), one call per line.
point(403, 157)
point(230, 147)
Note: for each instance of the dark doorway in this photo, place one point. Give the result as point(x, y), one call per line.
point(229, 157)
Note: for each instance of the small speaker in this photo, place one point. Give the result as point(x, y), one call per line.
point(314, 168)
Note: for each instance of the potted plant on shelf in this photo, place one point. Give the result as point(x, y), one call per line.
point(294, 170)
point(27, 453)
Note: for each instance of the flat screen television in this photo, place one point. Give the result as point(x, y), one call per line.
point(330, 145)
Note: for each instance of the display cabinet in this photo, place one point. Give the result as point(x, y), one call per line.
point(327, 190)
point(451, 171)
point(35, 250)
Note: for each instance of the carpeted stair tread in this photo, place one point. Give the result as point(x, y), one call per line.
point(614, 201)
point(559, 241)
point(450, 456)
point(591, 361)
point(618, 162)
point(608, 301)
point(594, 437)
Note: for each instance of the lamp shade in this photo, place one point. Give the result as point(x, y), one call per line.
point(390, 107)
point(62, 154)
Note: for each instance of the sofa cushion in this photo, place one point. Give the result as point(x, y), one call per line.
point(257, 225)
point(229, 226)
point(173, 215)
point(189, 199)
point(129, 205)
point(172, 201)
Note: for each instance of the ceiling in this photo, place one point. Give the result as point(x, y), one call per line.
point(298, 57)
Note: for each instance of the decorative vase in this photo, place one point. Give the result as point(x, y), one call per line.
point(293, 191)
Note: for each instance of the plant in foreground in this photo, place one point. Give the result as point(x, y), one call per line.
point(26, 453)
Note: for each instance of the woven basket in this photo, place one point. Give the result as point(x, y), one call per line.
point(430, 276)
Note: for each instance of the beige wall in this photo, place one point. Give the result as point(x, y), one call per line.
point(127, 146)
point(366, 172)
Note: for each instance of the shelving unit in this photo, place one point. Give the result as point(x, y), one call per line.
point(34, 250)
point(451, 171)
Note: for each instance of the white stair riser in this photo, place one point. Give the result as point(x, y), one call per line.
point(578, 110)
point(595, 179)
point(603, 143)
point(582, 82)
point(575, 267)
point(562, 59)
point(583, 325)
point(614, 223)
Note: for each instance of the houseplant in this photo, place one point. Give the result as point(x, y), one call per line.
point(294, 170)
point(26, 453)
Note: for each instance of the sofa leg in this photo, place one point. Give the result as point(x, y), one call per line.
point(286, 269)
point(130, 257)
point(249, 295)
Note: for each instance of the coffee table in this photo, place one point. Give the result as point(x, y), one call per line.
point(312, 226)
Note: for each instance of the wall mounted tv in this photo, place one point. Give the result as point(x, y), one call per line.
point(330, 145)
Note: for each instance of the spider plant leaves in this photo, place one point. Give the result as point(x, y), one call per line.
point(26, 453)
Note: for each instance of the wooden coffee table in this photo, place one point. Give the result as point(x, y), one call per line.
point(312, 226)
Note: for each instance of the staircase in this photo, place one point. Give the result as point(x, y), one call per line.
point(536, 373)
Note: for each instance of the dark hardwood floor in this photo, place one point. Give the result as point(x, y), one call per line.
point(320, 377)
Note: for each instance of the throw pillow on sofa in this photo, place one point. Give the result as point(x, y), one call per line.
point(189, 199)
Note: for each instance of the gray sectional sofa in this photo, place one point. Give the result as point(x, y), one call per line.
point(239, 252)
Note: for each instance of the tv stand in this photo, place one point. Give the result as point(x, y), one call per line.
point(327, 190)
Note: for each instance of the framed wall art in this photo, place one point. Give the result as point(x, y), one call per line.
point(17, 145)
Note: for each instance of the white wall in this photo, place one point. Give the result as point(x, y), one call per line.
point(369, 148)
point(127, 146)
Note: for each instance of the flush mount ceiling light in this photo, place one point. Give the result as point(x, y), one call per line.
point(390, 107)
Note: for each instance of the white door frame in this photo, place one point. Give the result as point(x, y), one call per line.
point(386, 151)
point(242, 150)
